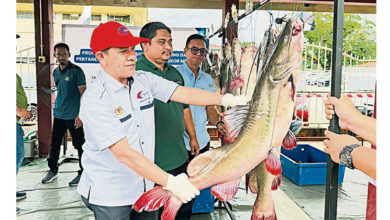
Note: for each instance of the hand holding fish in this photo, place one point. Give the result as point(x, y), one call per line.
point(229, 100)
point(181, 187)
point(343, 107)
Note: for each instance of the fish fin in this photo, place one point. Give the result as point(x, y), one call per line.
point(276, 182)
point(272, 163)
point(234, 120)
point(226, 191)
point(152, 199)
point(237, 82)
point(199, 162)
point(289, 141)
point(170, 210)
point(252, 183)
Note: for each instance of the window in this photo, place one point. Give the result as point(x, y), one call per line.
point(96, 17)
point(125, 19)
point(66, 16)
point(20, 15)
point(74, 17)
point(58, 16)
point(24, 15)
point(28, 15)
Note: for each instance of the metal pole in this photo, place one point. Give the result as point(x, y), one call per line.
point(332, 171)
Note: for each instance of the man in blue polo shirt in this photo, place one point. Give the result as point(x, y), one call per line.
point(117, 110)
point(195, 51)
point(70, 81)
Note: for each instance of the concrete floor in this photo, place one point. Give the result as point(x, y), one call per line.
point(57, 200)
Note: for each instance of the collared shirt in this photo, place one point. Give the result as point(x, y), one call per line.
point(21, 98)
point(68, 96)
point(109, 114)
point(199, 114)
point(170, 147)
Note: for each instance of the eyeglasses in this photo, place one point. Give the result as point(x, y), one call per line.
point(61, 54)
point(195, 50)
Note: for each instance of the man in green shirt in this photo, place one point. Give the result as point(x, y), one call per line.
point(170, 118)
point(22, 114)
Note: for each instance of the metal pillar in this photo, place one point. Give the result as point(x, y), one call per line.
point(332, 170)
point(232, 31)
point(43, 24)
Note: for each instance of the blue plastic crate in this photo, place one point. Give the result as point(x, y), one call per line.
point(204, 202)
point(306, 165)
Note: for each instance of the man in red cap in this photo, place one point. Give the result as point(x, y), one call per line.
point(117, 110)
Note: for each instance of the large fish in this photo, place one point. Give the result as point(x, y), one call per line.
point(223, 167)
point(259, 180)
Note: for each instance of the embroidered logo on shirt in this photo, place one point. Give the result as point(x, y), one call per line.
point(139, 95)
point(119, 110)
point(66, 78)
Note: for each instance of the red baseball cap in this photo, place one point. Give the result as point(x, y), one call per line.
point(113, 34)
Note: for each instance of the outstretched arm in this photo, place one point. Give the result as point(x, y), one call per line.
point(200, 97)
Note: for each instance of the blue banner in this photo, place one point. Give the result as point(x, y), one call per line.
point(86, 56)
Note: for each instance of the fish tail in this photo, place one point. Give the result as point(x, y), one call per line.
point(156, 198)
point(171, 207)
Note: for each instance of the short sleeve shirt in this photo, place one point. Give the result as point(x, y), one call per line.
point(68, 80)
point(21, 98)
point(170, 147)
point(110, 113)
point(199, 114)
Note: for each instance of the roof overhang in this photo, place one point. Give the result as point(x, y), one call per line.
point(351, 6)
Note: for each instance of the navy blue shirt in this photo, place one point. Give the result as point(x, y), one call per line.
point(68, 80)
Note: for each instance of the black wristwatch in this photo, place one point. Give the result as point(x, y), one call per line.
point(219, 122)
point(345, 155)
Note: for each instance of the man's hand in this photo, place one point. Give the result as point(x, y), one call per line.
point(343, 107)
point(77, 122)
point(23, 113)
point(221, 128)
point(194, 145)
point(229, 100)
point(181, 187)
point(336, 142)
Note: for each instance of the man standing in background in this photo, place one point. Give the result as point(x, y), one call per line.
point(70, 81)
point(195, 51)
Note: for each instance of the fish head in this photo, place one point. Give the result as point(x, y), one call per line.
point(287, 51)
point(284, 65)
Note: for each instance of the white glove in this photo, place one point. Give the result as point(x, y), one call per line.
point(181, 187)
point(229, 100)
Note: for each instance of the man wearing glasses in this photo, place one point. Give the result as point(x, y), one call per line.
point(70, 81)
point(193, 76)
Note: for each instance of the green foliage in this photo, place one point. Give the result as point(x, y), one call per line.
point(359, 34)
